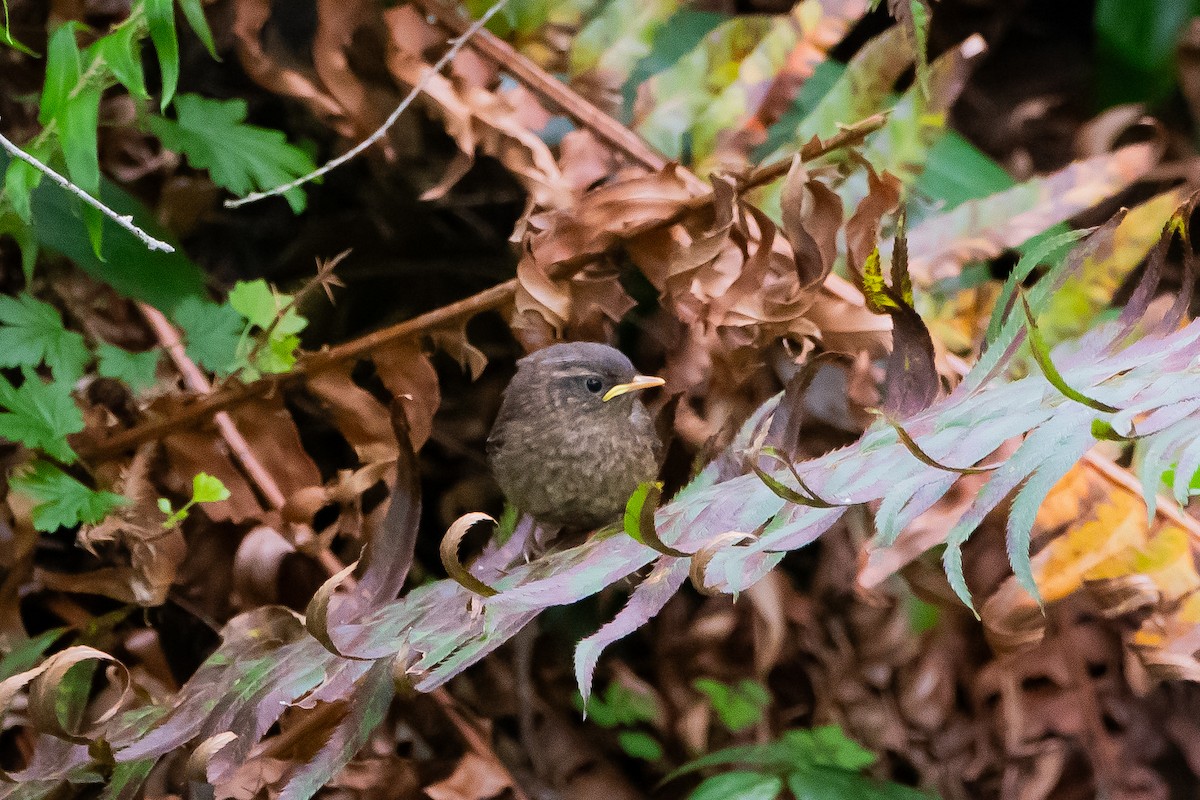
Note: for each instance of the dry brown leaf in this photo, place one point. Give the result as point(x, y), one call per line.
point(473, 779)
point(476, 119)
point(281, 74)
point(134, 531)
point(357, 414)
point(862, 229)
point(407, 373)
point(812, 216)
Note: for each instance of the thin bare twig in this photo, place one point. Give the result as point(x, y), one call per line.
point(195, 380)
point(455, 46)
point(125, 221)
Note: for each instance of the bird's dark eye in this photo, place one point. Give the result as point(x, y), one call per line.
point(593, 385)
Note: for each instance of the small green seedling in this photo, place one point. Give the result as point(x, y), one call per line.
point(205, 489)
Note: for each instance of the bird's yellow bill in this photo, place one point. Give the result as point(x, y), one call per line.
point(637, 384)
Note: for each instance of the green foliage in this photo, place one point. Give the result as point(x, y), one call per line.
point(214, 136)
point(6, 34)
point(743, 784)
point(63, 502)
point(137, 370)
point(39, 415)
point(818, 763)
point(737, 706)
point(621, 707)
point(213, 333)
point(32, 333)
point(254, 332)
point(205, 489)
point(70, 103)
point(278, 323)
point(161, 279)
point(639, 744)
point(618, 706)
point(1135, 48)
point(26, 654)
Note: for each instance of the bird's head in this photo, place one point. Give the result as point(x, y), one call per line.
point(579, 378)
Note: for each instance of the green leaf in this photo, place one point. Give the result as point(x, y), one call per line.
point(62, 72)
point(40, 415)
point(639, 744)
point(1052, 248)
point(207, 489)
point(79, 120)
point(770, 756)
point(122, 53)
point(32, 332)
point(639, 519)
point(7, 37)
point(194, 13)
point(158, 278)
point(828, 745)
point(279, 355)
point(255, 301)
point(26, 654)
point(62, 500)
point(213, 333)
point(160, 14)
point(1041, 354)
point(136, 370)
point(1135, 48)
point(825, 783)
point(242, 158)
point(957, 171)
point(738, 707)
point(742, 785)
point(20, 179)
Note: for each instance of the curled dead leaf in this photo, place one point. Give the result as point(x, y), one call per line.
point(316, 616)
point(449, 553)
point(47, 703)
point(701, 558)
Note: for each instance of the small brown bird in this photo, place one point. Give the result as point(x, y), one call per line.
point(572, 441)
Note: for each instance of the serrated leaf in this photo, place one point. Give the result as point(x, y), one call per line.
point(214, 136)
point(40, 415)
point(646, 600)
point(63, 502)
point(32, 332)
point(213, 333)
point(372, 697)
point(1053, 249)
point(255, 301)
point(207, 489)
point(160, 16)
point(136, 370)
